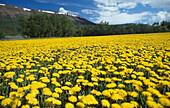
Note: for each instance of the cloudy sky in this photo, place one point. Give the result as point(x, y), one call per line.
point(112, 11)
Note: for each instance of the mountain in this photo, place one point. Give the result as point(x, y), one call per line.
point(9, 16)
point(15, 12)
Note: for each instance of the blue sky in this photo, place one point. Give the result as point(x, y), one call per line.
point(112, 11)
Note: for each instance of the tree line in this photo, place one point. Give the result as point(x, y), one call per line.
point(105, 29)
point(43, 25)
point(8, 26)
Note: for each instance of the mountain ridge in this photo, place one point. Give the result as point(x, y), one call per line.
point(14, 12)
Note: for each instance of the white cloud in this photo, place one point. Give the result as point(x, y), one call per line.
point(165, 4)
point(42, 1)
point(128, 5)
point(63, 11)
point(160, 16)
point(87, 11)
point(106, 2)
point(71, 12)
point(109, 10)
point(121, 18)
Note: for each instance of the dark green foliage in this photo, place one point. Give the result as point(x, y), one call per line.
point(105, 29)
point(8, 26)
point(166, 24)
point(42, 25)
point(79, 31)
point(68, 27)
point(2, 34)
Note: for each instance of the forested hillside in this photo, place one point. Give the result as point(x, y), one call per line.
point(39, 23)
point(43, 25)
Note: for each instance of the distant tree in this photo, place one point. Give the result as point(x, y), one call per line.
point(143, 28)
point(23, 21)
point(119, 29)
point(2, 34)
point(68, 27)
point(79, 31)
point(165, 23)
point(103, 28)
point(164, 29)
point(155, 24)
point(130, 28)
point(56, 25)
point(43, 25)
point(156, 29)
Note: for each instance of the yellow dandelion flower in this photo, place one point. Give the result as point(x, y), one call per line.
point(121, 86)
point(35, 91)
point(72, 99)
point(31, 78)
point(65, 88)
point(2, 97)
point(9, 74)
point(33, 101)
point(6, 101)
point(69, 105)
point(168, 94)
point(30, 96)
point(68, 83)
point(164, 102)
point(101, 79)
point(133, 94)
point(57, 84)
point(140, 67)
point(111, 85)
point(20, 80)
point(81, 77)
point(105, 103)
point(149, 98)
point(95, 83)
point(58, 90)
point(133, 76)
point(94, 79)
point(98, 93)
point(146, 93)
point(55, 95)
point(115, 105)
point(13, 85)
point(108, 80)
point(126, 105)
point(80, 104)
point(25, 106)
point(89, 100)
point(47, 91)
point(13, 95)
point(20, 90)
point(21, 75)
point(44, 79)
point(50, 100)
point(151, 104)
point(15, 103)
point(106, 93)
point(57, 102)
point(56, 75)
point(135, 104)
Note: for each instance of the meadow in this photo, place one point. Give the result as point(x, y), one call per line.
point(118, 71)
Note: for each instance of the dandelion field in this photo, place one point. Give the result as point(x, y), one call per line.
point(127, 71)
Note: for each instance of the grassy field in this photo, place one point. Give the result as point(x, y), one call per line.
point(120, 71)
